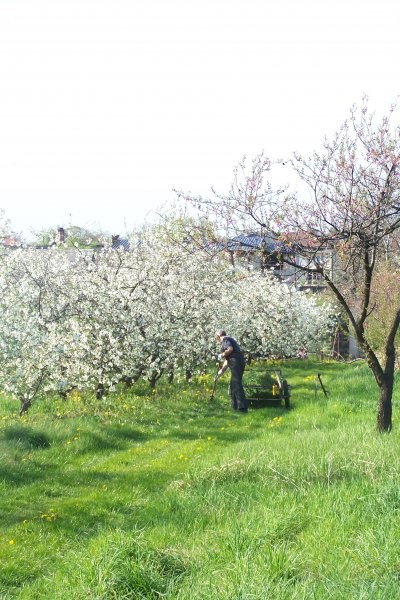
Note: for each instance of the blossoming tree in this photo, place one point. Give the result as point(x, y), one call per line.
point(75, 318)
point(349, 217)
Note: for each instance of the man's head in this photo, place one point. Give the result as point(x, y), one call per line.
point(219, 334)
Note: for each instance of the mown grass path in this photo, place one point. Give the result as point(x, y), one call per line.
point(168, 495)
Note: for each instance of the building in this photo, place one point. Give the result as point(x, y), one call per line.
point(273, 256)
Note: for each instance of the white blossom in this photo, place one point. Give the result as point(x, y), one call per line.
point(97, 319)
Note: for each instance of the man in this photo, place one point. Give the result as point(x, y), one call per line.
point(233, 358)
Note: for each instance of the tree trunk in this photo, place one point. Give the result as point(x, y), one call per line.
point(384, 379)
point(100, 391)
point(128, 381)
point(155, 376)
point(25, 404)
point(384, 415)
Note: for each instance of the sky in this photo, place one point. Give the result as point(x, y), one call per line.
point(107, 106)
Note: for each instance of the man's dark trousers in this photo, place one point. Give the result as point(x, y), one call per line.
point(236, 391)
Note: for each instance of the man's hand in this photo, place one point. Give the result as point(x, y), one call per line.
point(218, 375)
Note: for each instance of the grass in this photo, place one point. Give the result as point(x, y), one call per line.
point(168, 495)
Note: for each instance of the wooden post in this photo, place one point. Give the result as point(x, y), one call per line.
point(322, 385)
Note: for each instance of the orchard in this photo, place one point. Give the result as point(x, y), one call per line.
point(88, 320)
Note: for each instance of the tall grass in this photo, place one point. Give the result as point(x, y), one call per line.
point(170, 495)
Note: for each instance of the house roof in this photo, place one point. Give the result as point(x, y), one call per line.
point(248, 243)
point(9, 242)
point(120, 244)
point(253, 241)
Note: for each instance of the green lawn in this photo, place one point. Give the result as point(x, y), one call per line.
point(168, 495)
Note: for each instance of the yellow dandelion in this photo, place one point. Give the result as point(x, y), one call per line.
point(309, 378)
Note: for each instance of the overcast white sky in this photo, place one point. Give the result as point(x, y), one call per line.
point(107, 105)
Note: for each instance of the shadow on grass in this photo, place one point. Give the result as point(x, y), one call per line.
point(19, 475)
point(232, 436)
point(21, 467)
point(88, 477)
point(267, 402)
point(89, 498)
point(111, 438)
point(26, 438)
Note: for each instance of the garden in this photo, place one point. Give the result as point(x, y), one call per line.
point(125, 475)
point(164, 493)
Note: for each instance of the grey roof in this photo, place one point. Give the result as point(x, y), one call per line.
point(253, 241)
point(120, 244)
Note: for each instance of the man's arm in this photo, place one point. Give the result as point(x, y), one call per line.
point(223, 368)
point(227, 352)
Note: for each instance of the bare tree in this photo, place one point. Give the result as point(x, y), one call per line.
point(340, 231)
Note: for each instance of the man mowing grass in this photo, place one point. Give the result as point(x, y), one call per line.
point(232, 357)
